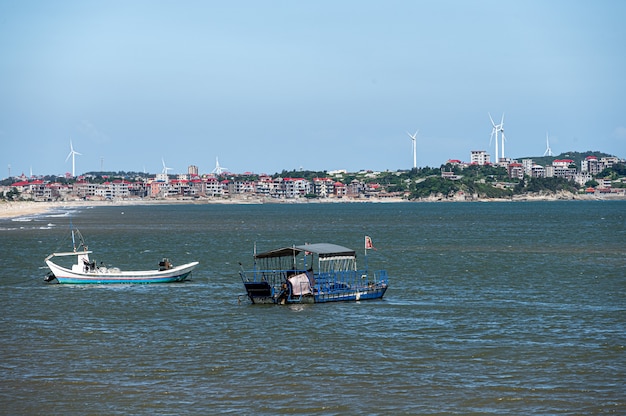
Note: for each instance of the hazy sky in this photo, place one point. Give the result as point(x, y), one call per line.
point(321, 85)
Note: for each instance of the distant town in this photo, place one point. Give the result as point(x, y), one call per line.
point(573, 173)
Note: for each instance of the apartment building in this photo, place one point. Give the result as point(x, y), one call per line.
point(479, 157)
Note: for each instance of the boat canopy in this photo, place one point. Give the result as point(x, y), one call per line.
point(71, 253)
point(321, 249)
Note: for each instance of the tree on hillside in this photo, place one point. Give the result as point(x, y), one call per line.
point(306, 174)
point(618, 170)
point(550, 185)
point(577, 157)
point(433, 185)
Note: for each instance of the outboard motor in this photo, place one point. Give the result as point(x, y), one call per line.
point(49, 277)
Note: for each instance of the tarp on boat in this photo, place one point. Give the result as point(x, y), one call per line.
point(300, 284)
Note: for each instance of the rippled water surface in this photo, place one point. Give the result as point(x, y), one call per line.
point(502, 308)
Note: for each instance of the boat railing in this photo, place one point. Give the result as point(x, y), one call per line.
point(380, 276)
point(270, 276)
point(330, 281)
point(348, 279)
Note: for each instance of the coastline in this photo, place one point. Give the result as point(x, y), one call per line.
point(16, 209)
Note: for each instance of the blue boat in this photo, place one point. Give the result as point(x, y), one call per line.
point(312, 273)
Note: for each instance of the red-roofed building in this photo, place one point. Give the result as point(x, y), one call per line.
point(591, 165)
point(20, 185)
point(562, 162)
point(323, 187)
point(372, 189)
point(516, 170)
point(264, 185)
point(339, 189)
point(561, 169)
point(33, 189)
point(179, 187)
point(296, 187)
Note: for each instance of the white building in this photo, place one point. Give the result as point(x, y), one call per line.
point(538, 171)
point(528, 166)
point(479, 157)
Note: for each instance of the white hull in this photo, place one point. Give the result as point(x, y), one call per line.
point(85, 271)
point(101, 276)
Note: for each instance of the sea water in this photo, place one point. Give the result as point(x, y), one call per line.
point(493, 308)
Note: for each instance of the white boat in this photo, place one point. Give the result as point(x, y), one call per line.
point(86, 271)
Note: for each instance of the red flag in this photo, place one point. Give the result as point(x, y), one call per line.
point(368, 243)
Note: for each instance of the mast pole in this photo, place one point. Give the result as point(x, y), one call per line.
point(365, 244)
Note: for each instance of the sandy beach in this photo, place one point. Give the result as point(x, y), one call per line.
point(16, 209)
point(20, 209)
point(23, 208)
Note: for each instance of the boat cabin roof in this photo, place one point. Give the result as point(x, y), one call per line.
point(72, 253)
point(321, 249)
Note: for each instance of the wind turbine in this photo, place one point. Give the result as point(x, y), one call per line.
point(548, 151)
point(165, 168)
point(414, 139)
point(502, 136)
point(73, 154)
point(218, 169)
point(497, 128)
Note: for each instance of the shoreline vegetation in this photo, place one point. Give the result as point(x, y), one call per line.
point(600, 177)
point(17, 209)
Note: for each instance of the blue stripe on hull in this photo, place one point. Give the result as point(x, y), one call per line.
point(114, 280)
point(338, 296)
point(349, 297)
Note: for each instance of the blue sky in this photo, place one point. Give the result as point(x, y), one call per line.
point(318, 85)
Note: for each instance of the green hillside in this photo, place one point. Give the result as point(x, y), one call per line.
point(577, 157)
